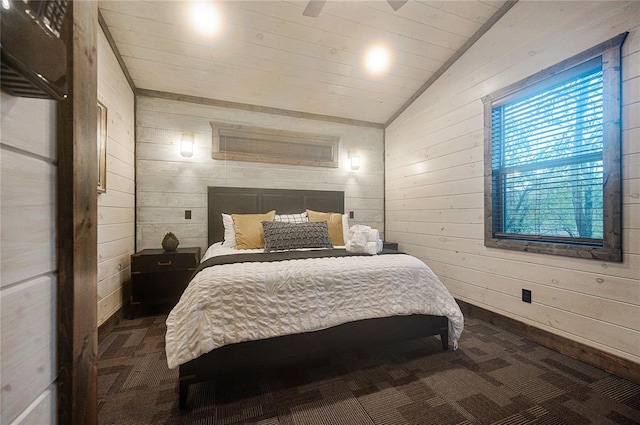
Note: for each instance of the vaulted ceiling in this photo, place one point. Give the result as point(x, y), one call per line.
point(268, 54)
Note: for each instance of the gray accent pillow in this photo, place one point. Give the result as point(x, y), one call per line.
point(279, 236)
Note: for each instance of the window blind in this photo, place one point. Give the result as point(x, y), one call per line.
point(547, 159)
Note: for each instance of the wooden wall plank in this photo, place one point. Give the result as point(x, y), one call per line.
point(476, 72)
point(321, 53)
point(354, 23)
point(111, 304)
point(120, 167)
point(116, 206)
point(467, 247)
point(28, 202)
point(111, 215)
point(463, 187)
point(479, 13)
point(467, 215)
point(41, 411)
point(621, 343)
point(618, 312)
point(28, 341)
point(345, 32)
point(431, 149)
point(201, 78)
point(111, 249)
point(272, 60)
point(267, 72)
point(115, 265)
point(27, 292)
point(437, 148)
point(112, 232)
point(35, 138)
point(161, 171)
point(454, 173)
point(570, 347)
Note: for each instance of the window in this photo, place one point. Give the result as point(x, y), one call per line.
point(552, 159)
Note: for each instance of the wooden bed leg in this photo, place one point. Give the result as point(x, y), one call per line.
point(184, 389)
point(444, 338)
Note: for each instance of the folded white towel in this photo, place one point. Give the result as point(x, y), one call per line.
point(358, 235)
point(364, 239)
point(370, 248)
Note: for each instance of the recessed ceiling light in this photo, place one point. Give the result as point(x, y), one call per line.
point(205, 18)
point(377, 59)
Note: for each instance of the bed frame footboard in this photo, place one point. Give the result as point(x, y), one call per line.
point(290, 349)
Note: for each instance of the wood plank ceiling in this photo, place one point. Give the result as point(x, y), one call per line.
point(270, 55)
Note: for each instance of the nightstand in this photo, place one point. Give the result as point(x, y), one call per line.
point(390, 245)
point(159, 277)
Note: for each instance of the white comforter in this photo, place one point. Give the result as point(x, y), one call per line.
point(231, 303)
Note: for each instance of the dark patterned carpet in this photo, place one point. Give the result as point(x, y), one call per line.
point(495, 377)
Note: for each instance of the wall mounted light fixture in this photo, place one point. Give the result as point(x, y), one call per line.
point(186, 144)
point(354, 160)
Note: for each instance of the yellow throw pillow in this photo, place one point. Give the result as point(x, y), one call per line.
point(334, 221)
point(249, 233)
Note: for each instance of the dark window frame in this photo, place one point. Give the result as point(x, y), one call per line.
point(611, 247)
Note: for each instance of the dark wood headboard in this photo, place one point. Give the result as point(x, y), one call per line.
point(234, 200)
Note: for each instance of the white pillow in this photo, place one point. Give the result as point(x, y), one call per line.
point(345, 228)
point(292, 218)
point(229, 231)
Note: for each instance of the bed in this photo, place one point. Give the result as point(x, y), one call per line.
point(253, 310)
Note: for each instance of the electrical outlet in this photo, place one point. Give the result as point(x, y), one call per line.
point(526, 295)
point(351, 214)
point(187, 214)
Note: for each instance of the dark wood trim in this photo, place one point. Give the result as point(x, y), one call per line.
point(611, 363)
point(255, 108)
point(461, 51)
point(107, 327)
point(135, 173)
point(77, 256)
point(488, 173)
point(116, 52)
point(612, 156)
point(383, 235)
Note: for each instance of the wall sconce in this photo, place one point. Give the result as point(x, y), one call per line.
point(186, 144)
point(354, 160)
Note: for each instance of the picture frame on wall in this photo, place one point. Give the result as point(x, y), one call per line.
point(102, 148)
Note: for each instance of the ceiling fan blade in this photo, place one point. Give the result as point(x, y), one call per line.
point(396, 4)
point(313, 8)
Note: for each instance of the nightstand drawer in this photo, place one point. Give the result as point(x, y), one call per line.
point(158, 261)
point(159, 277)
